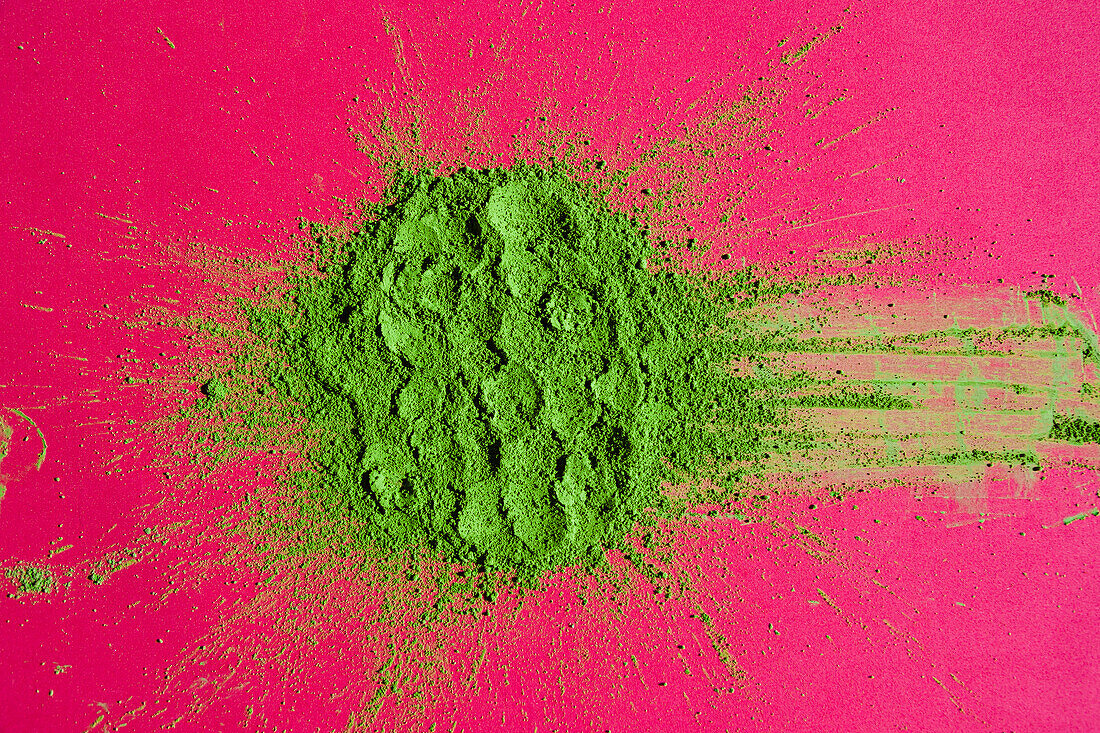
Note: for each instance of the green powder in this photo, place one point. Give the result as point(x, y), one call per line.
point(501, 375)
point(498, 369)
point(31, 579)
point(1074, 430)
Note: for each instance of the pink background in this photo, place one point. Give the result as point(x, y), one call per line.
point(983, 131)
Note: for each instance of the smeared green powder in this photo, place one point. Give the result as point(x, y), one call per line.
point(500, 374)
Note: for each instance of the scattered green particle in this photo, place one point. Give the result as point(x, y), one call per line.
point(1046, 297)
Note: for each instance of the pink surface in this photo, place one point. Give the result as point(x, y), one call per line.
point(976, 124)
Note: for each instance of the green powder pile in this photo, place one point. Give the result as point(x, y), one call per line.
point(500, 373)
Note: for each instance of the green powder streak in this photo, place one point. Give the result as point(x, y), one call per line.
point(42, 454)
point(498, 374)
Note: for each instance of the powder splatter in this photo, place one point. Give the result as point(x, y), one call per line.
point(499, 368)
point(494, 366)
point(266, 611)
point(492, 369)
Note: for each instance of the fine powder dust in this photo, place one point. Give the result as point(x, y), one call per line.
point(503, 374)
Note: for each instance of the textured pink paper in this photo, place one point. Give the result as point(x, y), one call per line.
point(126, 130)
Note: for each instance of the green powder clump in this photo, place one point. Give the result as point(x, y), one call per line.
point(1074, 430)
point(501, 374)
point(31, 579)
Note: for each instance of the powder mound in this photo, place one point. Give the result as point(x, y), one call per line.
point(503, 377)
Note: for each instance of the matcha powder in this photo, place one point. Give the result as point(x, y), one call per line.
point(500, 374)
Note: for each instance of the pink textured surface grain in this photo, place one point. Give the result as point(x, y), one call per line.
point(977, 123)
